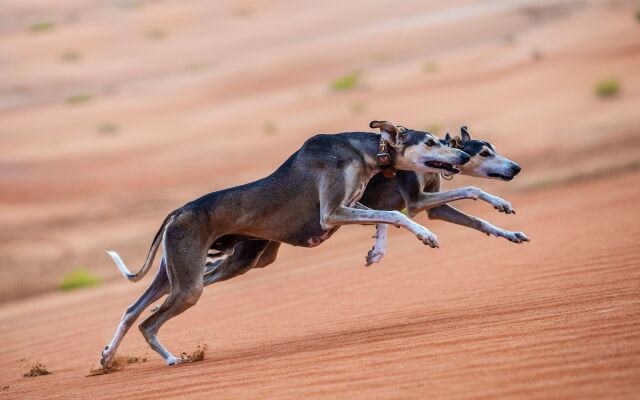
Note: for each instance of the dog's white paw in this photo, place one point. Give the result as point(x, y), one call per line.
point(518, 237)
point(172, 360)
point(428, 238)
point(374, 256)
point(501, 205)
point(107, 355)
point(515, 237)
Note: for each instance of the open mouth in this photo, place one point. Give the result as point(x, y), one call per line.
point(500, 176)
point(441, 165)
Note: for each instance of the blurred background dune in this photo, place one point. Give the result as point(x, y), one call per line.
point(114, 113)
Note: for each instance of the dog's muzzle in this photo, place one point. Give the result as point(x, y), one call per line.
point(463, 158)
point(443, 166)
point(514, 170)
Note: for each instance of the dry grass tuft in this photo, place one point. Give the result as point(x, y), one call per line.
point(38, 369)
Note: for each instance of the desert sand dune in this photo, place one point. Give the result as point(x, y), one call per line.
point(479, 317)
point(112, 114)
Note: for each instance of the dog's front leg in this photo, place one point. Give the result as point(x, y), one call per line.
point(425, 201)
point(343, 215)
point(380, 245)
point(448, 213)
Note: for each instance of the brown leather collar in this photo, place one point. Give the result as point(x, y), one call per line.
point(385, 162)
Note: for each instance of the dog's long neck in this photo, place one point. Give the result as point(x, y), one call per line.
point(369, 147)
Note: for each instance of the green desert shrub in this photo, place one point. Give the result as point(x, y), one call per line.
point(79, 278)
point(40, 27)
point(77, 99)
point(607, 88)
point(345, 82)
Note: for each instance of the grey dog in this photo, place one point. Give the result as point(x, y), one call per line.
point(302, 203)
point(404, 190)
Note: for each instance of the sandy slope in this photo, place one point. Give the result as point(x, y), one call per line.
point(478, 318)
point(211, 105)
point(185, 97)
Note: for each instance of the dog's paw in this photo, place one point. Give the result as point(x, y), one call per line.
point(521, 236)
point(172, 360)
point(428, 238)
point(374, 256)
point(106, 356)
point(515, 237)
point(501, 205)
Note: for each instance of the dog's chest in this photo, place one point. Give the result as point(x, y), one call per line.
point(353, 199)
point(357, 194)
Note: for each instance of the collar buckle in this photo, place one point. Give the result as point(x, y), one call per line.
point(385, 162)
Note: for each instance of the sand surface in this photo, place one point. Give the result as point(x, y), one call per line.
point(116, 113)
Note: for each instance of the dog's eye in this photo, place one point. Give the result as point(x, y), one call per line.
point(431, 143)
point(485, 153)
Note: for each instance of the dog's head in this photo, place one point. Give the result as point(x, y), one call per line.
point(420, 151)
point(485, 161)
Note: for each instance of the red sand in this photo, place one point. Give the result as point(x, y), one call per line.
point(481, 317)
point(205, 95)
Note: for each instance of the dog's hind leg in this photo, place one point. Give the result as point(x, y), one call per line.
point(269, 255)
point(186, 242)
point(212, 266)
point(158, 288)
point(247, 255)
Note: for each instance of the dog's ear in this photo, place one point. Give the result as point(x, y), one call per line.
point(465, 134)
point(455, 142)
point(389, 131)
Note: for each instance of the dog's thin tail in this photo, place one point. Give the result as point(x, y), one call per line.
point(150, 257)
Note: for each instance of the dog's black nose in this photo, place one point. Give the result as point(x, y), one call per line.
point(465, 158)
point(515, 168)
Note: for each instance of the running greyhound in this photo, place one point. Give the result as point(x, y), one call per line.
point(302, 203)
